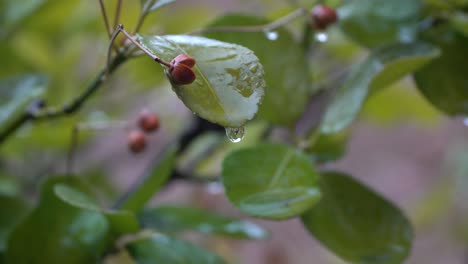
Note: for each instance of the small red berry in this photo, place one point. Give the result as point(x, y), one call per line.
point(323, 16)
point(180, 70)
point(181, 74)
point(148, 121)
point(184, 59)
point(136, 141)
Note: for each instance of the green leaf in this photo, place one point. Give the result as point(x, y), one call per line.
point(13, 12)
point(328, 147)
point(152, 5)
point(444, 82)
point(375, 22)
point(270, 181)
point(357, 224)
point(229, 81)
point(17, 92)
point(159, 248)
point(151, 184)
point(178, 219)
point(459, 21)
point(13, 209)
point(284, 61)
point(121, 222)
point(383, 66)
point(56, 232)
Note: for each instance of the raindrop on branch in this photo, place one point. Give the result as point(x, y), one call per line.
point(321, 37)
point(271, 35)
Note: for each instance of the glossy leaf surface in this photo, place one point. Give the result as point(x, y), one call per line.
point(284, 61)
point(229, 81)
point(178, 219)
point(383, 66)
point(158, 248)
point(373, 23)
point(357, 224)
point(270, 181)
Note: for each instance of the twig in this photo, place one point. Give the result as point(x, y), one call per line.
point(260, 28)
point(104, 16)
point(67, 109)
point(117, 13)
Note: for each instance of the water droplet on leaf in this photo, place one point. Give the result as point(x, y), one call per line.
point(271, 35)
point(235, 134)
point(321, 37)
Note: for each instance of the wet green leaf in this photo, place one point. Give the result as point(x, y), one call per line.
point(158, 248)
point(284, 61)
point(178, 219)
point(229, 81)
point(383, 66)
point(152, 183)
point(152, 5)
point(357, 224)
point(56, 232)
point(121, 222)
point(17, 92)
point(13, 209)
point(376, 22)
point(444, 82)
point(270, 181)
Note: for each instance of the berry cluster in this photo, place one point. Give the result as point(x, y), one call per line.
point(147, 122)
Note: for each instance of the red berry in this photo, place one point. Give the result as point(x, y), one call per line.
point(184, 59)
point(148, 121)
point(181, 74)
point(323, 16)
point(136, 141)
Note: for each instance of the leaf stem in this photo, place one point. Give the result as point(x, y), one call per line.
point(117, 13)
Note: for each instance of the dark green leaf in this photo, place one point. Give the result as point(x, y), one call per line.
point(150, 185)
point(152, 5)
point(460, 22)
point(121, 222)
point(444, 82)
point(284, 61)
point(376, 22)
point(229, 81)
point(13, 209)
point(270, 180)
point(383, 66)
point(357, 224)
point(56, 232)
point(159, 248)
point(178, 219)
point(17, 92)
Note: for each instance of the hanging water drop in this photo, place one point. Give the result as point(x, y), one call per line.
point(235, 134)
point(321, 37)
point(271, 35)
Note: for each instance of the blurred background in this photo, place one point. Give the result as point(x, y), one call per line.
point(401, 146)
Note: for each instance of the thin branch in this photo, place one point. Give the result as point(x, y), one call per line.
point(117, 13)
point(145, 50)
point(139, 23)
point(30, 115)
point(260, 28)
point(104, 16)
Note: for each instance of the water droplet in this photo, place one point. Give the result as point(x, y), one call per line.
point(465, 121)
point(271, 35)
point(235, 134)
point(321, 37)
